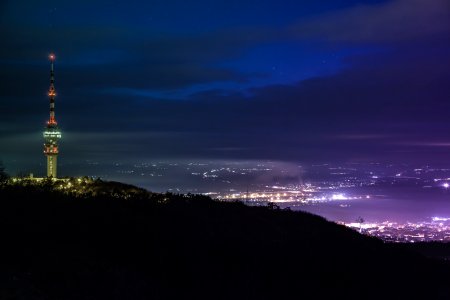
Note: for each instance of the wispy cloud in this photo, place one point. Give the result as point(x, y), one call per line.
point(392, 21)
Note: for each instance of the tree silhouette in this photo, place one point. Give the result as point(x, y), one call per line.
point(3, 175)
point(360, 220)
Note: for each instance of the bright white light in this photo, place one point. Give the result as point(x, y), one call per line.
point(51, 134)
point(446, 185)
point(437, 219)
point(339, 197)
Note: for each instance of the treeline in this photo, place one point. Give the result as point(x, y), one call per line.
point(61, 244)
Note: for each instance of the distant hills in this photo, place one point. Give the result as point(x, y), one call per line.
point(89, 239)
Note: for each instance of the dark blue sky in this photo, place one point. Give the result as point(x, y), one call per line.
point(284, 80)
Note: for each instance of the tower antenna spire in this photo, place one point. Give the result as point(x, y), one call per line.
point(51, 133)
point(52, 91)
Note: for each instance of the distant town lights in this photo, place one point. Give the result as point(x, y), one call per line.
point(438, 219)
point(339, 197)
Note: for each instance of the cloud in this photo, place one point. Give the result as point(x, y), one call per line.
point(91, 58)
point(392, 21)
point(363, 136)
point(402, 92)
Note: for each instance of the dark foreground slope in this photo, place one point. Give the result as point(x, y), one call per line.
point(56, 245)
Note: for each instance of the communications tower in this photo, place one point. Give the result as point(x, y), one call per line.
point(52, 133)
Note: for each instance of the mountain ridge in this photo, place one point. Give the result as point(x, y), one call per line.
point(127, 243)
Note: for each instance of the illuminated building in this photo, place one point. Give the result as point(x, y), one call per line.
point(52, 133)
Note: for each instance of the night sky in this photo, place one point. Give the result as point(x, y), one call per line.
point(304, 81)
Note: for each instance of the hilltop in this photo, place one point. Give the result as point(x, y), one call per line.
point(102, 240)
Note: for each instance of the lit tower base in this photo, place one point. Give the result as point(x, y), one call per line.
point(51, 136)
point(52, 133)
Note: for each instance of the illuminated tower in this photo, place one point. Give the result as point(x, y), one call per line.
point(51, 133)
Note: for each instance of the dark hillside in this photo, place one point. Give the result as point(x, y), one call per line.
point(60, 245)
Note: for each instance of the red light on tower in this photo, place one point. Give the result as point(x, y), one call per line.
point(51, 56)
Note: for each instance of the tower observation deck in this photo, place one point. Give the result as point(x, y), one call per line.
point(52, 133)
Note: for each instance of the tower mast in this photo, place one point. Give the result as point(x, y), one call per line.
point(52, 92)
point(52, 133)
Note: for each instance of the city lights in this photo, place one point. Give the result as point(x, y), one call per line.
point(438, 229)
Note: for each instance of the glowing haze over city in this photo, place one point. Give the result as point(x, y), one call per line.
point(338, 108)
